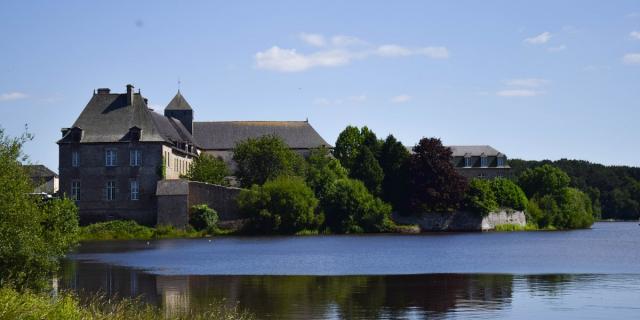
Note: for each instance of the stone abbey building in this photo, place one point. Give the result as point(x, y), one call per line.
point(114, 155)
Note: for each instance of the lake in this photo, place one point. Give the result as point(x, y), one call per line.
point(581, 274)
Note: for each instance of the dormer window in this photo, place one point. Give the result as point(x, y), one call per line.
point(76, 134)
point(501, 161)
point(134, 134)
point(467, 162)
point(484, 161)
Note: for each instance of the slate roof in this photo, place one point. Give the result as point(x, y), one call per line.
point(178, 103)
point(224, 135)
point(461, 151)
point(38, 171)
point(108, 118)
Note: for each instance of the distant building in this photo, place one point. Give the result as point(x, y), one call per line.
point(114, 154)
point(44, 180)
point(479, 161)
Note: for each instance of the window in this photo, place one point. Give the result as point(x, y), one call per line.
point(135, 190)
point(484, 161)
point(110, 157)
point(500, 161)
point(75, 159)
point(75, 190)
point(135, 158)
point(110, 190)
point(467, 162)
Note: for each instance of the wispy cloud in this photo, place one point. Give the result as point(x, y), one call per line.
point(635, 35)
point(559, 48)
point(336, 51)
point(10, 96)
point(355, 99)
point(519, 93)
point(401, 98)
point(631, 58)
point(527, 82)
point(539, 39)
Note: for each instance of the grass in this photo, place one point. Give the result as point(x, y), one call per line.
point(515, 227)
point(17, 305)
point(130, 230)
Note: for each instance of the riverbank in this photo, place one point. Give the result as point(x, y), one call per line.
point(130, 230)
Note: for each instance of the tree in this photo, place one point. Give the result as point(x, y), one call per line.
point(508, 194)
point(543, 180)
point(352, 209)
point(201, 217)
point(347, 146)
point(265, 158)
point(283, 205)
point(34, 235)
point(367, 169)
point(435, 184)
point(394, 160)
point(323, 171)
point(480, 197)
point(209, 169)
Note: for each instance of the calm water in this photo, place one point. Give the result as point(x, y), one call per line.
point(576, 274)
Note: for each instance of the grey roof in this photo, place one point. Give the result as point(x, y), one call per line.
point(224, 135)
point(461, 151)
point(108, 118)
point(178, 103)
point(39, 171)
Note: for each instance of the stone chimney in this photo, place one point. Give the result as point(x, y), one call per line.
point(130, 94)
point(104, 90)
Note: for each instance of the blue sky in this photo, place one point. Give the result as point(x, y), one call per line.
point(537, 80)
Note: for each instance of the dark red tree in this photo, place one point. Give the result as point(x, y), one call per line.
point(435, 185)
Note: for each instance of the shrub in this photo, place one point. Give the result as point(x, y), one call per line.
point(209, 169)
point(323, 171)
point(283, 205)
point(570, 209)
point(480, 197)
point(201, 217)
point(352, 209)
point(116, 230)
point(508, 194)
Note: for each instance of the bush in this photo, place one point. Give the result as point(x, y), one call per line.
point(508, 194)
point(323, 171)
point(283, 205)
point(116, 230)
point(352, 209)
point(570, 209)
point(201, 217)
point(209, 169)
point(480, 197)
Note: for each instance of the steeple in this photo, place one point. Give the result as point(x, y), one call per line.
point(180, 109)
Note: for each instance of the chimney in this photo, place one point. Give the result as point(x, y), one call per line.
point(130, 94)
point(104, 90)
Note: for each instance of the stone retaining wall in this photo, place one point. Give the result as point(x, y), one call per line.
point(462, 220)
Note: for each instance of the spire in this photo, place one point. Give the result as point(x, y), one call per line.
point(178, 103)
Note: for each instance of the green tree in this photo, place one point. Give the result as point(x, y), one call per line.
point(34, 235)
point(508, 194)
point(323, 171)
point(209, 169)
point(201, 217)
point(283, 205)
point(347, 146)
point(435, 184)
point(352, 209)
point(480, 197)
point(368, 170)
point(394, 161)
point(543, 180)
point(264, 158)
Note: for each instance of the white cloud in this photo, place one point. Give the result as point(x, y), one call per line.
point(527, 82)
point(539, 39)
point(635, 35)
point(10, 96)
point(631, 58)
point(338, 50)
point(313, 39)
point(401, 98)
point(559, 48)
point(519, 93)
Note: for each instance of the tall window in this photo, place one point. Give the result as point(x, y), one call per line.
point(500, 161)
point(110, 157)
point(110, 190)
point(467, 162)
point(484, 161)
point(75, 158)
point(135, 158)
point(75, 190)
point(135, 190)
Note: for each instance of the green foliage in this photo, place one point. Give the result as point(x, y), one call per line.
point(130, 230)
point(367, 170)
point(323, 171)
point(348, 146)
point(508, 194)
point(162, 169)
point(33, 235)
point(481, 197)
point(284, 205)
point(265, 158)
point(435, 185)
point(394, 161)
point(201, 217)
point(209, 169)
point(543, 180)
point(352, 209)
point(569, 209)
point(27, 305)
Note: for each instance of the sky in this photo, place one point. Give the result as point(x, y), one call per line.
point(535, 79)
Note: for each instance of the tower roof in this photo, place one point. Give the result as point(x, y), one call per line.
point(178, 103)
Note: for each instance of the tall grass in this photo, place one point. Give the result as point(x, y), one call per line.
point(16, 305)
point(130, 230)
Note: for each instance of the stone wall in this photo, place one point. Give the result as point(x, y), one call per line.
point(220, 198)
point(462, 220)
